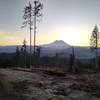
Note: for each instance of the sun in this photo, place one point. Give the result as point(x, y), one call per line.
point(74, 36)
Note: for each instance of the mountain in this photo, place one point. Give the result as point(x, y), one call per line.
point(64, 50)
point(7, 49)
point(55, 47)
point(58, 46)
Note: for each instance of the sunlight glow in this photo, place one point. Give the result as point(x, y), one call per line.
point(76, 36)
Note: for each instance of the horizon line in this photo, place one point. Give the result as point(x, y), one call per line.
point(45, 44)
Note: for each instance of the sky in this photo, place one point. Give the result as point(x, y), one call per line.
point(68, 20)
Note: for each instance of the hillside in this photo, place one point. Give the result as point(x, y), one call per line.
point(39, 85)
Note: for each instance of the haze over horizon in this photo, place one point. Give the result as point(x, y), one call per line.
point(69, 20)
point(45, 44)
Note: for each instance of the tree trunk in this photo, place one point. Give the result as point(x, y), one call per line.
point(96, 60)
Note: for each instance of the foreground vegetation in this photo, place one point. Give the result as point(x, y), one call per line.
point(41, 84)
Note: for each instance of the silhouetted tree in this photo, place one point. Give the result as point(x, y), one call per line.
point(95, 42)
point(72, 68)
point(30, 15)
point(17, 57)
point(22, 57)
point(24, 51)
point(38, 53)
point(56, 60)
point(36, 13)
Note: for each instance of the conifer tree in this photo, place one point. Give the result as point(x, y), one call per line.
point(95, 43)
point(17, 57)
point(25, 51)
point(30, 16)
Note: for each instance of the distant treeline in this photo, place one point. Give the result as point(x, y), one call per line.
point(19, 59)
point(22, 59)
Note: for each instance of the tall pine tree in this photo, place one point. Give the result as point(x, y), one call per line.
point(95, 43)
